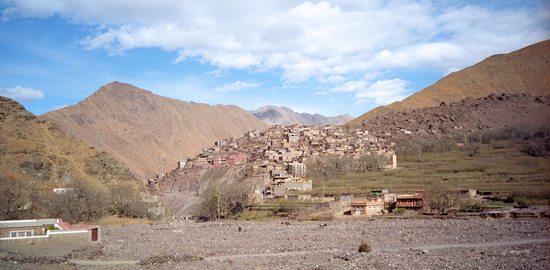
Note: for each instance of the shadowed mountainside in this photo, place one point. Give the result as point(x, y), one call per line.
point(147, 132)
point(523, 71)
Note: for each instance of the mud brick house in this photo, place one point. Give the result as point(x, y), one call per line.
point(370, 206)
point(297, 169)
point(33, 230)
point(297, 187)
point(387, 198)
point(236, 159)
point(465, 193)
point(415, 201)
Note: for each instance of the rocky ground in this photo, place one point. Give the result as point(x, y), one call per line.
point(467, 243)
point(464, 117)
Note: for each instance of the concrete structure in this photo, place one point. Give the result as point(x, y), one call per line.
point(46, 230)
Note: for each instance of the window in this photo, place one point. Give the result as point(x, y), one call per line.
point(27, 233)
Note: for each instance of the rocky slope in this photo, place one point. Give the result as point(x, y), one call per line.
point(523, 71)
point(38, 153)
point(520, 111)
point(147, 132)
point(275, 115)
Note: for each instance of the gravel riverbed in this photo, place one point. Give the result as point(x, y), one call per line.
point(467, 243)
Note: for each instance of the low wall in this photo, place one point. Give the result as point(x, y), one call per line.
point(54, 236)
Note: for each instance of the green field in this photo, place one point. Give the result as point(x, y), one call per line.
point(503, 170)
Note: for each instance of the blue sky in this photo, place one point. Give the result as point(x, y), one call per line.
point(328, 57)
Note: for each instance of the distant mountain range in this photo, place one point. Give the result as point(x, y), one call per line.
point(525, 71)
point(150, 133)
point(277, 115)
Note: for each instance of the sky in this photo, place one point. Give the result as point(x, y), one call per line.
point(327, 57)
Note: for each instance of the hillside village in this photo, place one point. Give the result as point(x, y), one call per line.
point(276, 157)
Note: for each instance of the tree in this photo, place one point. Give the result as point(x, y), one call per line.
point(82, 202)
point(440, 198)
point(126, 201)
point(222, 200)
point(14, 197)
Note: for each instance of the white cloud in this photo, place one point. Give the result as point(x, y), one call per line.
point(382, 92)
point(236, 86)
point(22, 94)
point(332, 79)
point(351, 86)
point(322, 40)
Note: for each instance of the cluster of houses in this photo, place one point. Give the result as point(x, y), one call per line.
point(278, 155)
point(381, 201)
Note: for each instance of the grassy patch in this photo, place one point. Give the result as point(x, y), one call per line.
point(504, 170)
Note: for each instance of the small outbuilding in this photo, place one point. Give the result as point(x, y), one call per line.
point(32, 230)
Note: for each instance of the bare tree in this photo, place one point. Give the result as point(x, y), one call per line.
point(14, 197)
point(126, 201)
point(82, 202)
point(440, 198)
point(224, 200)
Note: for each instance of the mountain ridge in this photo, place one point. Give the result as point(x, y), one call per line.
point(526, 70)
point(36, 150)
point(280, 115)
point(149, 132)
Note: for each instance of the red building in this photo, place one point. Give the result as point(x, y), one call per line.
point(411, 202)
point(236, 158)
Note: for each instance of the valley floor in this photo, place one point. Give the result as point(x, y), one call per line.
point(467, 243)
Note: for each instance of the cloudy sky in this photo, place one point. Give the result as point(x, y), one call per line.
point(329, 57)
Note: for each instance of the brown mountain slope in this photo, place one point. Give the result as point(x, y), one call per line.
point(37, 152)
point(496, 111)
point(148, 132)
point(523, 71)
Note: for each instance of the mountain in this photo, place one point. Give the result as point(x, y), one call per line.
point(36, 152)
point(521, 112)
point(523, 71)
point(150, 133)
point(275, 115)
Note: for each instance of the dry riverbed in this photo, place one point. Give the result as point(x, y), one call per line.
point(468, 243)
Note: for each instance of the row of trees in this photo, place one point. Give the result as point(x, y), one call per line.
point(222, 200)
point(334, 166)
point(82, 201)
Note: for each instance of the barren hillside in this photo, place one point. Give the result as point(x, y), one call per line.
point(519, 111)
point(148, 132)
point(36, 152)
point(523, 71)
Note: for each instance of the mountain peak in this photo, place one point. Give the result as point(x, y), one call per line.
point(279, 115)
point(524, 71)
point(149, 132)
